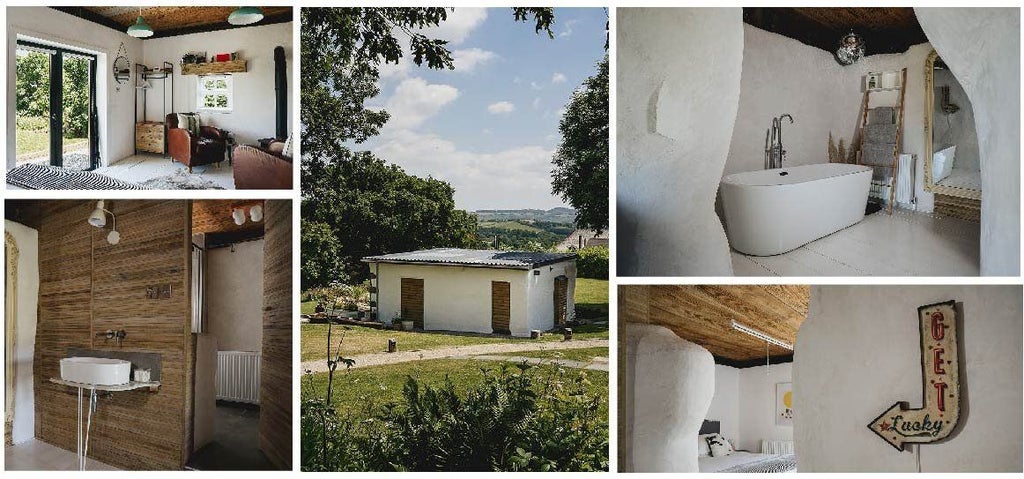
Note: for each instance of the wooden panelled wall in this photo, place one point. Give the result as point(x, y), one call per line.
point(276, 366)
point(88, 286)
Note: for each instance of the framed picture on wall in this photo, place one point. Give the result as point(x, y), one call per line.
point(784, 404)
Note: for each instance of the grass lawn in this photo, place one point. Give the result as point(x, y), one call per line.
point(582, 354)
point(35, 141)
point(592, 295)
point(357, 389)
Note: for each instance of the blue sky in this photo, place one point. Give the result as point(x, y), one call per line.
point(490, 126)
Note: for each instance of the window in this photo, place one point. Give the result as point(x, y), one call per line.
point(214, 93)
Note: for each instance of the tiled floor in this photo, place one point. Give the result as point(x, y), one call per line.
point(904, 244)
point(39, 456)
point(139, 168)
point(236, 442)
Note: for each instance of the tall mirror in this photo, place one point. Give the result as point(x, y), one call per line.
point(952, 162)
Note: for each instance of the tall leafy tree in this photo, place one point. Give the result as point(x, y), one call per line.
point(580, 173)
point(365, 205)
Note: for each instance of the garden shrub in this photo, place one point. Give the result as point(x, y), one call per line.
point(516, 419)
point(592, 263)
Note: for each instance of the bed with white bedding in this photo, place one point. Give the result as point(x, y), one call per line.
point(740, 461)
point(716, 454)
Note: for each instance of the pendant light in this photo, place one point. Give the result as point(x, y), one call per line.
point(140, 29)
point(245, 16)
point(851, 49)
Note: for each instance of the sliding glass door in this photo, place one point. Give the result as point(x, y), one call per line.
point(57, 119)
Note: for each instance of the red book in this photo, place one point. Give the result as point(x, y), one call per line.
point(223, 57)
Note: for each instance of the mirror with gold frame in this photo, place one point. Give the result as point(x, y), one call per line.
point(951, 156)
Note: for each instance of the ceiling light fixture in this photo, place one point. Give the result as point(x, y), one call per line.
point(762, 336)
point(98, 218)
point(238, 214)
point(140, 29)
point(245, 16)
point(256, 213)
point(851, 49)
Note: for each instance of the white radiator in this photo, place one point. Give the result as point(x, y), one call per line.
point(776, 447)
point(905, 183)
point(238, 376)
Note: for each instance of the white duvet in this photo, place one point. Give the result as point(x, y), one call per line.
point(715, 464)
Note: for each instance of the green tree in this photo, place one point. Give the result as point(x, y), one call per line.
point(321, 255)
point(580, 174)
point(372, 207)
point(33, 91)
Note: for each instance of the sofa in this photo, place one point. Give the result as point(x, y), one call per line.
point(257, 168)
point(202, 146)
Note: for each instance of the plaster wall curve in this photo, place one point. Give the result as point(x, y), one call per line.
point(981, 46)
point(670, 383)
point(678, 87)
point(858, 352)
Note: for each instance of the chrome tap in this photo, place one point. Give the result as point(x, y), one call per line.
point(774, 153)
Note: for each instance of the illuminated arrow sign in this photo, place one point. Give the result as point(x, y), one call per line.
point(934, 422)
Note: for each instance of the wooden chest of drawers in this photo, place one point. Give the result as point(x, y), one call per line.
point(149, 137)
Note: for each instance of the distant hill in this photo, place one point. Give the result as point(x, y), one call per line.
point(554, 215)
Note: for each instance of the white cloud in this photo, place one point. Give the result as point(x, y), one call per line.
point(500, 107)
point(467, 60)
point(515, 80)
point(535, 86)
point(557, 78)
point(415, 101)
point(567, 31)
point(458, 26)
point(536, 103)
point(513, 178)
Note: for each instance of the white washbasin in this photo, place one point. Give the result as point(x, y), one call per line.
point(99, 371)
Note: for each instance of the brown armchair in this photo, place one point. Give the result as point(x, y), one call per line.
point(258, 168)
point(191, 150)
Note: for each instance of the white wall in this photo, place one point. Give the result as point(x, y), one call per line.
point(757, 405)
point(725, 403)
point(858, 352)
point(541, 292)
point(982, 48)
point(27, 240)
point(115, 101)
point(783, 75)
point(455, 298)
point(234, 296)
point(253, 114)
point(678, 86)
point(667, 388)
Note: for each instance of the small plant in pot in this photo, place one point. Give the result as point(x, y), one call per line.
point(403, 324)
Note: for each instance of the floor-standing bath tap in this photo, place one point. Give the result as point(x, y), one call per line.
point(774, 154)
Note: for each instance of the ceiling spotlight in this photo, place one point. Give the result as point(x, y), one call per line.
point(256, 213)
point(851, 49)
point(238, 214)
point(245, 16)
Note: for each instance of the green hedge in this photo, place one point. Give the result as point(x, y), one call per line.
point(592, 263)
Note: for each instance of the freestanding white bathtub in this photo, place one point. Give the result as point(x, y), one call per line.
point(770, 212)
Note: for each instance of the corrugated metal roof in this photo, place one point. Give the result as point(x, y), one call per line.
point(474, 257)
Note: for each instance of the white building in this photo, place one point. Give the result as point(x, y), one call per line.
point(481, 291)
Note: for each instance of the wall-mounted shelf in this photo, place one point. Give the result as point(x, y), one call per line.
point(211, 68)
point(153, 386)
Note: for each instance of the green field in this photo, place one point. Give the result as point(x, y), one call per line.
point(582, 354)
point(509, 225)
point(358, 390)
point(593, 294)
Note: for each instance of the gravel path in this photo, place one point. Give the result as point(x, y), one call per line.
point(377, 359)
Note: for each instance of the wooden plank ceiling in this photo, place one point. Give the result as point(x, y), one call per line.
point(703, 314)
point(213, 218)
point(170, 21)
point(884, 30)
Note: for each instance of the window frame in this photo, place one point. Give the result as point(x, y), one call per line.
point(202, 92)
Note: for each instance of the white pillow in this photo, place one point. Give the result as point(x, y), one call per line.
point(719, 446)
point(703, 450)
point(287, 149)
point(942, 163)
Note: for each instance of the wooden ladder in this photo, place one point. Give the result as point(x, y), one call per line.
point(895, 166)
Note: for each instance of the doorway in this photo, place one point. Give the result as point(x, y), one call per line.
point(56, 111)
point(501, 307)
point(412, 301)
point(561, 300)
